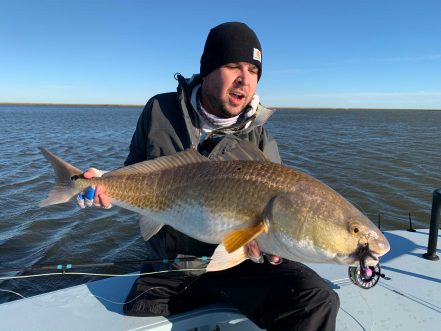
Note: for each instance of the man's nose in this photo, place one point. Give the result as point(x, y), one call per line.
point(243, 78)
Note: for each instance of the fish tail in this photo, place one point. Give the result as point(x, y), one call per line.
point(64, 188)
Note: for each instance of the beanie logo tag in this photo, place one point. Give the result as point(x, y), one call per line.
point(257, 55)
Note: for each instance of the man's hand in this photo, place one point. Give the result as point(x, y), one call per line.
point(256, 255)
point(96, 194)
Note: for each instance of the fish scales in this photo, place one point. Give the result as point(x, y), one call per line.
point(227, 194)
point(217, 185)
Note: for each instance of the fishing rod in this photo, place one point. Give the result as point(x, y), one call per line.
point(69, 266)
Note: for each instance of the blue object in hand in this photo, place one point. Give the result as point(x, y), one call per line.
point(88, 197)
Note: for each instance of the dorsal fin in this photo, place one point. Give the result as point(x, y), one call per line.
point(186, 157)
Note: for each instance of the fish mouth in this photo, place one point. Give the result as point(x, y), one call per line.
point(364, 256)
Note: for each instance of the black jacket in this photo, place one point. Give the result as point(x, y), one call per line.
point(168, 124)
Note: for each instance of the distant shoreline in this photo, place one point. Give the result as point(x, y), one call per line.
point(69, 104)
point(135, 105)
point(350, 108)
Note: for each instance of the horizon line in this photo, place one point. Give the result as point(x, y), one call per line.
point(142, 105)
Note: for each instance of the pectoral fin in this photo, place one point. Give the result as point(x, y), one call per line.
point(238, 238)
point(221, 259)
point(148, 227)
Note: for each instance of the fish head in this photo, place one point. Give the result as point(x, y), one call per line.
point(316, 224)
point(364, 242)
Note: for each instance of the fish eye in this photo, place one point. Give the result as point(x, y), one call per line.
point(354, 229)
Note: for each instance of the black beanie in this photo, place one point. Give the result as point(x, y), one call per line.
point(228, 43)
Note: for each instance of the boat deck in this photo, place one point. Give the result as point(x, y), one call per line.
point(410, 300)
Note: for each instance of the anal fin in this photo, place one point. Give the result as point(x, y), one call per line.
point(221, 259)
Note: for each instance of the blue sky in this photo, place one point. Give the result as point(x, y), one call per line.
point(329, 53)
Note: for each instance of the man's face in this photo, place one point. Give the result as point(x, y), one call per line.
point(227, 90)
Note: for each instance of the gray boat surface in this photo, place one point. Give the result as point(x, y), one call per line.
point(409, 300)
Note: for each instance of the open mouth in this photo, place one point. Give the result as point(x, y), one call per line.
point(236, 97)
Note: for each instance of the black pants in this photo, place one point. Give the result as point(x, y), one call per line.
point(289, 296)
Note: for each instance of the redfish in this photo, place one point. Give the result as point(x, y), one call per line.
point(230, 201)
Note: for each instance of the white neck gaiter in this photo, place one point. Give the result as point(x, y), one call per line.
point(210, 122)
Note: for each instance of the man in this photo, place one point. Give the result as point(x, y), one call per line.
point(212, 112)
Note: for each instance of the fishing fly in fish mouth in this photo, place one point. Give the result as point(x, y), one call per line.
point(369, 248)
point(288, 213)
point(364, 256)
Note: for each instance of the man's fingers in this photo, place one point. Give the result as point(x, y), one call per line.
point(101, 198)
point(94, 196)
point(90, 173)
point(273, 259)
point(253, 249)
point(105, 201)
point(99, 190)
point(254, 253)
point(276, 260)
point(93, 172)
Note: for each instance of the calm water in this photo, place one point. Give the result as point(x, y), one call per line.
point(385, 162)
